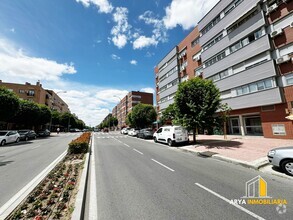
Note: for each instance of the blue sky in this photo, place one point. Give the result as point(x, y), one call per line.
point(93, 49)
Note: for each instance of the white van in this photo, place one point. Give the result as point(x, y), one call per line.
point(171, 135)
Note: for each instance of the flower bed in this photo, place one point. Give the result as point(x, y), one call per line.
point(54, 197)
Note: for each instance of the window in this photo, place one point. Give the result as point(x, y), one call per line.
point(21, 91)
point(213, 41)
point(195, 42)
point(31, 93)
point(198, 71)
point(254, 87)
point(220, 75)
point(279, 129)
point(242, 21)
point(215, 59)
point(235, 47)
point(289, 79)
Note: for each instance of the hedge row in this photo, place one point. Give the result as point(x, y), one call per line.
point(80, 144)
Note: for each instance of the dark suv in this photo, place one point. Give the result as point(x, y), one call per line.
point(44, 133)
point(25, 135)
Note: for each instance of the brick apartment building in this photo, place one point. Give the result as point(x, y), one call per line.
point(180, 64)
point(247, 49)
point(37, 94)
point(126, 104)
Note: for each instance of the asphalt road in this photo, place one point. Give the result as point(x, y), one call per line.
point(136, 179)
point(21, 162)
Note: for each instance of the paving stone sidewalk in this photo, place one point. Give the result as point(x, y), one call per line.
point(250, 151)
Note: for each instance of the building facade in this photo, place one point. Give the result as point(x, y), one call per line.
point(126, 104)
point(239, 55)
point(247, 50)
point(183, 62)
point(37, 94)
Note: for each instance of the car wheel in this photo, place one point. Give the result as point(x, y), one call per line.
point(3, 142)
point(17, 140)
point(155, 140)
point(35, 137)
point(287, 167)
point(170, 142)
point(26, 138)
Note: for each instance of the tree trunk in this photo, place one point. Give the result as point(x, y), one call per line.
point(194, 135)
point(225, 130)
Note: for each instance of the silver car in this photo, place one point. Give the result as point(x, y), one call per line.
point(282, 157)
point(8, 137)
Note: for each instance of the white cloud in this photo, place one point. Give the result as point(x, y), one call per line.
point(104, 6)
point(133, 62)
point(144, 41)
point(121, 31)
point(115, 57)
point(149, 90)
point(186, 13)
point(14, 63)
point(159, 32)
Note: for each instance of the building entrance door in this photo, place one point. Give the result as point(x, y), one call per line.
point(235, 125)
point(253, 125)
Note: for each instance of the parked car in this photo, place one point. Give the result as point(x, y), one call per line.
point(282, 157)
point(133, 132)
point(8, 137)
point(106, 130)
point(25, 135)
point(124, 130)
point(145, 133)
point(74, 130)
point(44, 133)
point(171, 135)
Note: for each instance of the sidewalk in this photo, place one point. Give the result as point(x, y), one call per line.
point(249, 151)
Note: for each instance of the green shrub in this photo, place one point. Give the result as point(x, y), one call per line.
point(80, 145)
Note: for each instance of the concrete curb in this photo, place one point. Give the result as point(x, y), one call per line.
point(257, 164)
point(9, 206)
point(79, 204)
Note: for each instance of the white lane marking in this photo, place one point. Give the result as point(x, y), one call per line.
point(163, 165)
point(228, 201)
point(35, 147)
point(93, 204)
point(137, 151)
point(126, 145)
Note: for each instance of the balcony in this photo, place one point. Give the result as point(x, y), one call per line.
point(251, 25)
point(256, 47)
point(267, 97)
point(262, 71)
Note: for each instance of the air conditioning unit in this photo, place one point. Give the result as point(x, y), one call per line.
point(272, 8)
point(198, 58)
point(276, 32)
point(282, 59)
point(183, 68)
point(291, 24)
point(179, 57)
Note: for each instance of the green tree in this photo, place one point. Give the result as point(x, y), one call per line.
point(9, 104)
point(143, 115)
point(169, 114)
point(44, 115)
point(196, 101)
point(28, 114)
point(129, 121)
point(56, 117)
